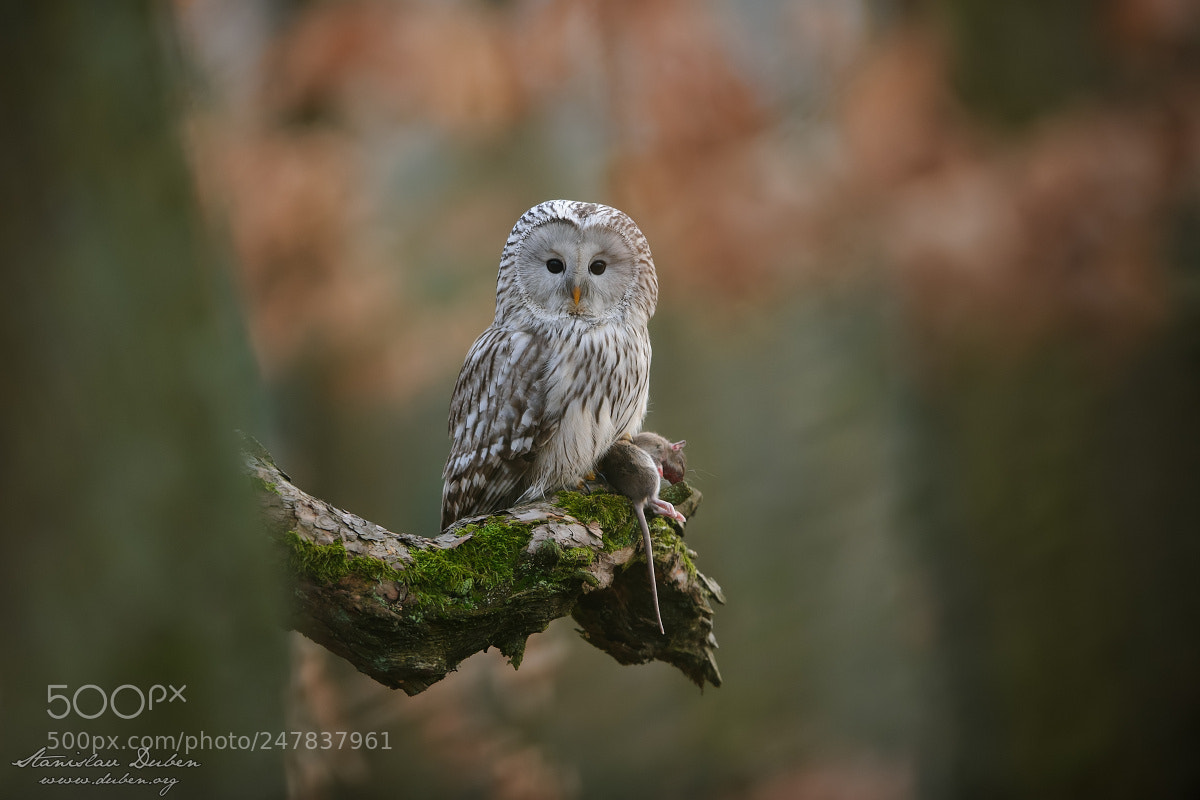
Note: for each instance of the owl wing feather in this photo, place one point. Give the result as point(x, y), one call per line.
point(497, 423)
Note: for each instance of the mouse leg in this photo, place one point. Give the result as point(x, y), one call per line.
point(665, 509)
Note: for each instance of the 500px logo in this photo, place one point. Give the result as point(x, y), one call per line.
point(133, 701)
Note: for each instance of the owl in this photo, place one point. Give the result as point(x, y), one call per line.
point(564, 369)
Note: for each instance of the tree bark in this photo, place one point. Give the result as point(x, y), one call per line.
point(407, 609)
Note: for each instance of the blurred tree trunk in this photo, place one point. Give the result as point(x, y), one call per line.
point(131, 554)
point(1059, 493)
point(1063, 549)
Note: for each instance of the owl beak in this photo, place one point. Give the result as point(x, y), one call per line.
point(575, 294)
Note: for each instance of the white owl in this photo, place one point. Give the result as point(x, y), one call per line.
point(564, 369)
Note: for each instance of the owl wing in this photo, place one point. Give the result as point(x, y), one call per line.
point(497, 423)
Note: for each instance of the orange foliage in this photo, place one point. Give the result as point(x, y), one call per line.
point(1056, 228)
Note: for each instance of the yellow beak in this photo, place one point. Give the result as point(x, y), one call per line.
point(575, 294)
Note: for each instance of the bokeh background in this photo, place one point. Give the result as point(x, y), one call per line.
point(929, 321)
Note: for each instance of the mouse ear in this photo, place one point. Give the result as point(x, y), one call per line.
point(678, 445)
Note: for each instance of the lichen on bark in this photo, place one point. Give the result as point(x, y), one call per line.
point(406, 609)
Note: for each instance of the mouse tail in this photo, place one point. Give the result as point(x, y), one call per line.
point(650, 566)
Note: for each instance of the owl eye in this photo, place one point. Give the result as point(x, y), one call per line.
point(597, 267)
point(555, 265)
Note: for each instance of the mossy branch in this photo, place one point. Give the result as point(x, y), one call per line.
point(406, 610)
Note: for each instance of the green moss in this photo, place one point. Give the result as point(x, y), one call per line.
point(610, 510)
point(264, 486)
point(489, 564)
point(578, 556)
point(329, 563)
point(615, 515)
point(467, 576)
point(672, 542)
point(323, 563)
point(373, 568)
point(613, 512)
point(464, 577)
point(676, 493)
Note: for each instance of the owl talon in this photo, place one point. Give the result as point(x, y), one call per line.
point(592, 485)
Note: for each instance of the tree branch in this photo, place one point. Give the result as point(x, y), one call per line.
point(406, 610)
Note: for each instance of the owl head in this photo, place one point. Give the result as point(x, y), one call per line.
point(572, 260)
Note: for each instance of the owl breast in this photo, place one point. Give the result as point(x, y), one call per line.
point(599, 377)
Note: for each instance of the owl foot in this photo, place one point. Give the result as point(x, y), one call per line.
point(592, 485)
